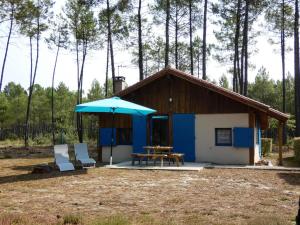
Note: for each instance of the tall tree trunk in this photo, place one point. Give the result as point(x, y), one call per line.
point(176, 34)
point(167, 33)
point(26, 136)
point(141, 67)
point(246, 22)
point(7, 45)
point(52, 93)
point(282, 38)
point(241, 77)
point(297, 68)
point(78, 115)
point(33, 77)
point(236, 48)
point(158, 59)
point(191, 38)
point(204, 41)
point(84, 52)
point(106, 72)
point(111, 46)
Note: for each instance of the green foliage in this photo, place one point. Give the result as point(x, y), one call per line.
point(269, 92)
point(96, 91)
point(297, 148)
point(263, 89)
point(59, 36)
point(33, 17)
point(266, 146)
point(42, 140)
point(3, 108)
point(72, 219)
point(81, 24)
point(17, 99)
point(223, 82)
point(273, 17)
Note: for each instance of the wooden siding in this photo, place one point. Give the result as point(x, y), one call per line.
point(171, 94)
point(121, 121)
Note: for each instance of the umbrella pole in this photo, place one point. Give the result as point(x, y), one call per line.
point(112, 135)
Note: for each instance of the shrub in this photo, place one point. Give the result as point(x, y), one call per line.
point(42, 140)
point(297, 148)
point(72, 219)
point(266, 146)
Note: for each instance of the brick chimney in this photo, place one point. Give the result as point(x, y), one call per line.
point(119, 83)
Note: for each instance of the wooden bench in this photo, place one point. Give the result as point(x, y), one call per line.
point(178, 157)
point(140, 157)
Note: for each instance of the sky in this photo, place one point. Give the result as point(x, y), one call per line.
point(18, 66)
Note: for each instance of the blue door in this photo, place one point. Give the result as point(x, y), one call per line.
point(184, 135)
point(139, 133)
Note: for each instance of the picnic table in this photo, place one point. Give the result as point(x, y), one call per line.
point(158, 152)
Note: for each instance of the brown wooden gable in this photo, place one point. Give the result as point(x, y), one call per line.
point(192, 95)
point(170, 94)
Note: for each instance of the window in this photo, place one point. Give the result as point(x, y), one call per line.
point(124, 136)
point(223, 136)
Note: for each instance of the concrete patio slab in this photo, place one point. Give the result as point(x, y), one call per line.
point(186, 167)
point(191, 166)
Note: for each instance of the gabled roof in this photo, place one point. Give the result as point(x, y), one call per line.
point(210, 86)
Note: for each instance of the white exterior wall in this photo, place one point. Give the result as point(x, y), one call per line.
point(120, 153)
point(207, 151)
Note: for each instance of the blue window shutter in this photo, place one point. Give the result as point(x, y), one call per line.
point(105, 136)
point(243, 137)
point(139, 133)
point(184, 135)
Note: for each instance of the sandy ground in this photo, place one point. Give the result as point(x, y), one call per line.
point(211, 196)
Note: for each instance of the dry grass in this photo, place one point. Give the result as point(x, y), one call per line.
point(288, 158)
point(114, 197)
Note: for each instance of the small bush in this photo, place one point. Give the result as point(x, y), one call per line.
point(266, 146)
point(297, 148)
point(72, 219)
point(42, 140)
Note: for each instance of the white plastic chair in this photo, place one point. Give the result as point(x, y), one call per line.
point(62, 158)
point(82, 155)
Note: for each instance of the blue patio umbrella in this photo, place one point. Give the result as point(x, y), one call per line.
point(113, 105)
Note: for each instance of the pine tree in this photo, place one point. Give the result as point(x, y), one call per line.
point(59, 38)
point(32, 18)
point(82, 26)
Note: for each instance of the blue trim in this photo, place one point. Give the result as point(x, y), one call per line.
point(105, 136)
point(220, 143)
point(184, 135)
point(243, 137)
point(139, 133)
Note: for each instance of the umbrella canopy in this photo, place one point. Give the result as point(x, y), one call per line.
point(114, 105)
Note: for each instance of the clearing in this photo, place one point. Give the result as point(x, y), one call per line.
point(211, 196)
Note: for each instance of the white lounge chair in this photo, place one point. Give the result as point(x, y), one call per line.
point(82, 155)
point(62, 158)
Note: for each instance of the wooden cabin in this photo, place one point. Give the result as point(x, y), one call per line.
point(206, 122)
